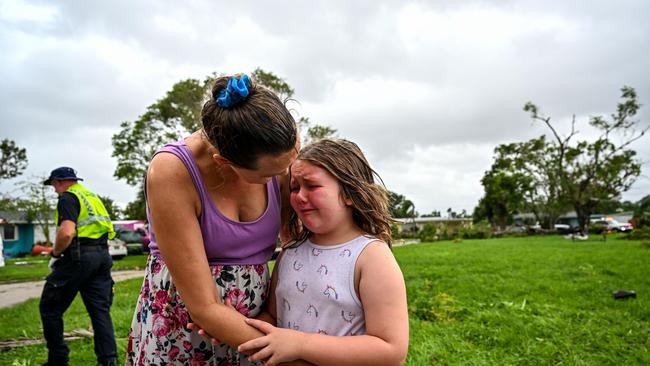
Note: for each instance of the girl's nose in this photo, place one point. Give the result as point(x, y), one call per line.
point(302, 196)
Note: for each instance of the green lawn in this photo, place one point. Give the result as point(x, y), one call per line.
point(514, 301)
point(35, 268)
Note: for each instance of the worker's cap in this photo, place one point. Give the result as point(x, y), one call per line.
point(62, 173)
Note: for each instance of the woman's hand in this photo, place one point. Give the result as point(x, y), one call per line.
point(276, 346)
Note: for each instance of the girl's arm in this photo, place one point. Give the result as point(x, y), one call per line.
point(174, 206)
point(383, 295)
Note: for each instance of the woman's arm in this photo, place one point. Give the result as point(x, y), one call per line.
point(174, 206)
point(383, 295)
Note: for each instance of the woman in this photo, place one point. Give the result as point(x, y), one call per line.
point(214, 205)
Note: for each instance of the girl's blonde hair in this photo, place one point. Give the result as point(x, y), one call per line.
point(346, 162)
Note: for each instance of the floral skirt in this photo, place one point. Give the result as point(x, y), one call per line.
point(159, 334)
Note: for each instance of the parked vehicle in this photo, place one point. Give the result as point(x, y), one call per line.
point(117, 248)
point(613, 225)
point(567, 225)
point(137, 241)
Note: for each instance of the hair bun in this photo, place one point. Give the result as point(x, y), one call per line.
point(234, 92)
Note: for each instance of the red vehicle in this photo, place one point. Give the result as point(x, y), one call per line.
point(134, 233)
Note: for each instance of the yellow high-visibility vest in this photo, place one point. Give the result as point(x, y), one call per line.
point(93, 221)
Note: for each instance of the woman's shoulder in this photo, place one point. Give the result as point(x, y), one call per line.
point(169, 183)
point(165, 166)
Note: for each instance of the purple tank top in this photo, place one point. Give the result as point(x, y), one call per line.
point(227, 241)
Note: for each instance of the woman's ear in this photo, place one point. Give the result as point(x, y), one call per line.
point(217, 158)
point(348, 201)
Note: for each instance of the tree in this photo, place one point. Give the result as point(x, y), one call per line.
point(589, 172)
point(13, 160)
point(520, 180)
point(274, 82)
point(549, 177)
point(113, 210)
point(38, 203)
point(314, 132)
point(614, 205)
point(642, 212)
point(400, 206)
point(176, 115)
point(503, 197)
point(136, 209)
point(171, 117)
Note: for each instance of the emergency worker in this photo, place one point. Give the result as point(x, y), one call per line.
point(80, 263)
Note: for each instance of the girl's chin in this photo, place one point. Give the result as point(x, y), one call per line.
point(312, 227)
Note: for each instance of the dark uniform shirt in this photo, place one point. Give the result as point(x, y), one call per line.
point(69, 208)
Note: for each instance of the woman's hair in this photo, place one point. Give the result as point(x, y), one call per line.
point(346, 162)
point(258, 124)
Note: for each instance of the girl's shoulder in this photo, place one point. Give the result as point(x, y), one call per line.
point(376, 251)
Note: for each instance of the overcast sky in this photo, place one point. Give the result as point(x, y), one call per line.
point(427, 89)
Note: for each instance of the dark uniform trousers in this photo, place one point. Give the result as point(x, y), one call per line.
point(90, 275)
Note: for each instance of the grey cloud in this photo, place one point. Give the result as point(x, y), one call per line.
point(477, 89)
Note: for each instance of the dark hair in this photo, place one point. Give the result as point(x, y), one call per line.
point(346, 162)
point(259, 124)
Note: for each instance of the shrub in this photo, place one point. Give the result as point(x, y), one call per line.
point(640, 234)
point(597, 229)
point(480, 230)
point(427, 233)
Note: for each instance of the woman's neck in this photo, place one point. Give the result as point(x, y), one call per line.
point(203, 152)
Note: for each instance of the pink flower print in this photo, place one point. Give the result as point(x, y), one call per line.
point(144, 292)
point(259, 268)
point(173, 353)
point(160, 325)
point(198, 359)
point(129, 346)
point(162, 298)
point(157, 266)
point(216, 271)
point(242, 309)
point(180, 313)
point(187, 346)
point(237, 297)
point(141, 357)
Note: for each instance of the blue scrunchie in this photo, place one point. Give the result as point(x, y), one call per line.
point(236, 90)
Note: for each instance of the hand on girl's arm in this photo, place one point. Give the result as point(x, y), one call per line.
point(276, 346)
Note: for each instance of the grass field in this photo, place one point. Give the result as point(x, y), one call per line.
point(35, 268)
point(514, 301)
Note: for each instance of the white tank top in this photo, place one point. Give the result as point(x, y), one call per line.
point(315, 289)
